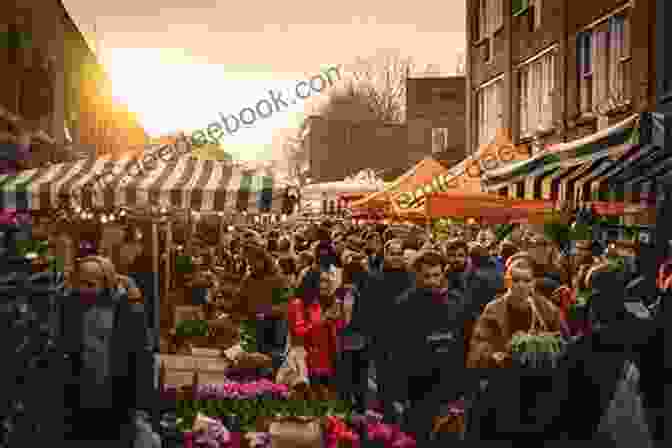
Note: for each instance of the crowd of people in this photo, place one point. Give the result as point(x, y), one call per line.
point(426, 318)
point(340, 307)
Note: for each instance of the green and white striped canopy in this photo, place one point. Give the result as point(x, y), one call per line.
point(203, 185)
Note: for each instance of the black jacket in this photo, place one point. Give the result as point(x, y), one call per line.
point(131, 365)
point(370, 315)
point(428, 337)
point(481, 286)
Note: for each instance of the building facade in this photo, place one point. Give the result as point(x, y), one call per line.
point(434, 126)
point(552, 71)
point(53, 80)
point(439, 103)
point(663, 48)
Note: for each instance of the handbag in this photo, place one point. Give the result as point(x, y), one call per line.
point(296, 432)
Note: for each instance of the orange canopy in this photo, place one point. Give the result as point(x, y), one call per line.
point(489, 207)
point(401, 190)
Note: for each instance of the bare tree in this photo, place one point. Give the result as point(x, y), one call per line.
point(372, 89)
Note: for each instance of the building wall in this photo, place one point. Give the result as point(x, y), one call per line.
point(340, 149)
point(72, 88)
point(32, 75)
point(98, 123)
point(440, 103)
point(663, 36)
point(561, 20)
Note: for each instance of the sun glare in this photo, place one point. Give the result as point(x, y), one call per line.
point(173, 92)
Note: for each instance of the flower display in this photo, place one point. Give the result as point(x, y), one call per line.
point(14, 217)
point(336, 432)
point(390, 435)
point(232, 390)
point(210, 433)
point(258, 439)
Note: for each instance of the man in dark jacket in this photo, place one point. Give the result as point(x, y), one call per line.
point(376, 300)
point(108, 358)
point(427, 350)
point(374, 251)
point(456, 264)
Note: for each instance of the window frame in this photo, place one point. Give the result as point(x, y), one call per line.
point(614, 79)
point(536, 81)
point(486, 100)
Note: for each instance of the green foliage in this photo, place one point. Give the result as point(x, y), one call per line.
point(248, 411)
point(562, 234)
point(248, 336)
point(191, 328)
point(184, 264)
point(503, 230)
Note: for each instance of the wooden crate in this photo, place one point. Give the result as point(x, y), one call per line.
point(180, 369)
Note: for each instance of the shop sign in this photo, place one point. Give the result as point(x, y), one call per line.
point(472, 169)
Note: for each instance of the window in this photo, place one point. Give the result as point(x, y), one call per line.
point(489, 111)
point(537, 84)
point(439, 140)
point(490, 17)
point(603, 61)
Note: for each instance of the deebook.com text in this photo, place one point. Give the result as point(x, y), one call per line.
point(264, 108)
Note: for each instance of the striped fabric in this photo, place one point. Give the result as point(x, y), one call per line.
point(584, 173)
point(203, 185)
point(517, 172)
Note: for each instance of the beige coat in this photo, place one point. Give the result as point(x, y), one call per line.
point(498, 323)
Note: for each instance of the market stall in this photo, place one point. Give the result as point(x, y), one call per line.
point(95, 194)
point(578, 172)
point(401, 194)
point(487, 207)
point(328, 197)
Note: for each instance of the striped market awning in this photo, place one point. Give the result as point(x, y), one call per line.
point(203, 185)
point(580, 171)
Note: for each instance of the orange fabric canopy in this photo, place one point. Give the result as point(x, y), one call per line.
point(422, 173)
point(489, 207)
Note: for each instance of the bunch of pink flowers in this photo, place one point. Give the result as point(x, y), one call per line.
point(390, 435)
point(231, 390)
point(12, 216)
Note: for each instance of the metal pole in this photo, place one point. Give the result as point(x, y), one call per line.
point(155, 278)
point(168, 254)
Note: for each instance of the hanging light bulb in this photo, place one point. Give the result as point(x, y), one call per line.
point(163, 210)
point(83, 215)
point(112, 218)
point(78, 209)
point(103, 219)
point(122, 213)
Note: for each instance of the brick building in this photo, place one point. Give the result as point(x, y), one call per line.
point(434, 125)
point(52, 79)
point(556, 70)
point(439, 103)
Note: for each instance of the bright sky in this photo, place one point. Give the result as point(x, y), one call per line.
point(182, 63)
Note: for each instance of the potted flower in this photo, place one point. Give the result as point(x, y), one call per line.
point(193, 331)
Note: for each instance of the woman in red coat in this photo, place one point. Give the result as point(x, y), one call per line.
point(314, 322)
